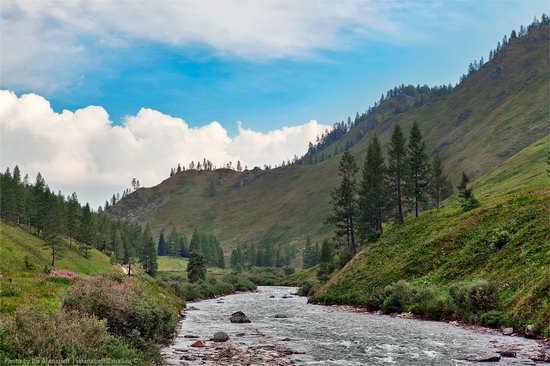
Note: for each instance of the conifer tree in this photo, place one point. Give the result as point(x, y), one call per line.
point(148, 255)
point(72, 217)
point(344, 202)
point(162, 246)
point(196, 269)
point(397, 169)
point(467, 199)
point(86, 229)
point(325, 262)
point(172, 245)
point(183, 250)
point(418, 169)
point(372, 193)
point(439, 183)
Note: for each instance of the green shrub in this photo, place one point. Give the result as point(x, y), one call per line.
point(429, 302)
point(397, 296)
point(473, 297)
point(493, 319)
point(498, 238)
point(376, 299)
point(124, 306)
point(308, 289)
point(54, 334)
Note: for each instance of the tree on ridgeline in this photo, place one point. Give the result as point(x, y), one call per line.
point(162, 247)
point(466, 195)
point(372, 193)
point(344, 203)
point(441, 187)
point(397, 169)
point(419, 168)
point(325, 262)
point(196, 268)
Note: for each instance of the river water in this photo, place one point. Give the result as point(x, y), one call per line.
point(324, 335)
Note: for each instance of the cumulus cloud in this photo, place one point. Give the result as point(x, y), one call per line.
point(60, 35)
point(84, 151)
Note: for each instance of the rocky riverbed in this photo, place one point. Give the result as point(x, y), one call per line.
point(285, 330)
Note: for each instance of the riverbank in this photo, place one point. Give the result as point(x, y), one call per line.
point(284, 328)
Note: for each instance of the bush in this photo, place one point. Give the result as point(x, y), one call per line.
point(34, 332)
point(124, 306)
point(493, 319)
point(397, 296)
point(473, 297)
point(307, 289)
point(498, 238)
point(429, 302)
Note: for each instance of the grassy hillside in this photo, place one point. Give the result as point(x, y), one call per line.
point(492, 115)
point(505, 241)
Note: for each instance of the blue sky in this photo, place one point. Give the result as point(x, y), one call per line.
point(95, 93)
point(431, 42)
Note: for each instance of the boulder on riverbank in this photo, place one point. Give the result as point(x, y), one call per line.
point(239, 317)
point(508, 331)
point(220, 337)
point(530, 332)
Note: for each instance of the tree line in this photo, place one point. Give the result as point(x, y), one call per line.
point(506, 40)
point(246, 256)
point(408, 182)
point(53, 217)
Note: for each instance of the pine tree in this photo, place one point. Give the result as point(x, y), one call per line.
point(372, 193)
point(18, 194)
point(72, 217)
point(196, 269)
point(148, 255)
point(466, 194)
point(52, 225)
point(397, 168)
point(183, 250)
point(308, 254)
point(325, 261)
point(86, 229)
point(162, 247)
point(343, 200)
point(439, 182)
point(172, 244)
point(419, 168)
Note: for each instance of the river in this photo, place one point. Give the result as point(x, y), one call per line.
point(324, 335)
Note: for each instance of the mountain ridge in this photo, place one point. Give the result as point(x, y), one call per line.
point(490, 116)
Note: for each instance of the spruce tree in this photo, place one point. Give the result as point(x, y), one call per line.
point(372, 193)
point(325, 261)
point(148, 253)
point(419, 168)
point(162, 246)
point(439, 182)
point(72, 217)
point(344, 202)
point(86, 229)
point(397, 169)
point(308, 256)
point(172, 245)
point(196, 269)
point(466, 195)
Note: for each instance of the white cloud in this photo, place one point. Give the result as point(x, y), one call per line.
point(60, 36)
point(83, 151)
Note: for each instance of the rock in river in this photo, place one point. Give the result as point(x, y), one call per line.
point(280, 316)
point(220, 337)
point(239, 317)
point(199, 343)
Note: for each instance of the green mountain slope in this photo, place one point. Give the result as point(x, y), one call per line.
point(447, 246)
point(489, 117)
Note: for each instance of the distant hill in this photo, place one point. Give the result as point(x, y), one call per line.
point(493, 114)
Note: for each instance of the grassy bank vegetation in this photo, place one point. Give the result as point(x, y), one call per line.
point(490, 265)
point(87, 308)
